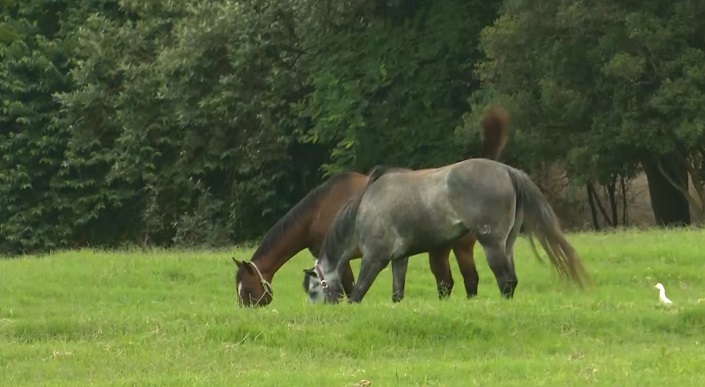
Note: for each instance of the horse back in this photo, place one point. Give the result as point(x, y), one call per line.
point(433, 206)
point(343, 188)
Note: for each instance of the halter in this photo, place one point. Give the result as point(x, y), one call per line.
point(265, 285)
point(319, 273)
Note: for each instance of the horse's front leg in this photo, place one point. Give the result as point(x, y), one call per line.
point(370, 268)
point(399, 267)
point(347, 278)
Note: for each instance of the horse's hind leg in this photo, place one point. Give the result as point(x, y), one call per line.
point(501, 266)
point(399, 267)
point(509, 245)
point(440, 267)
point(370, 267)
point(463, 250)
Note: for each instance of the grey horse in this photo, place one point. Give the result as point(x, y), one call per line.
point(312, 282)
point(315, 292)
point(404, 213)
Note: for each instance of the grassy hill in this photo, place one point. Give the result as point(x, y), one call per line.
point(170, 318)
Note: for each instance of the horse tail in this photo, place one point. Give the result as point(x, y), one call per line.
point(543, 223)
point(494, 132)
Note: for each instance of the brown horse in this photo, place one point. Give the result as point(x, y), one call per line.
point(308, 222)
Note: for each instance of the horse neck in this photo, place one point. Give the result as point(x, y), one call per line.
point(330, 259)
point(339, 241)
point(289, 243)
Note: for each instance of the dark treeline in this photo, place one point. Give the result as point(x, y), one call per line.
point(201, 122)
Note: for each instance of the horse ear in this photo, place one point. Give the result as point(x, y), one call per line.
point(245, 265)
point(310, 272)
point(237, 263)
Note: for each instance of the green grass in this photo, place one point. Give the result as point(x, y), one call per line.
point(170, 318)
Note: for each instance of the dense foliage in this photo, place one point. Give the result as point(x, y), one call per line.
point(606, 88)
point(200, 122)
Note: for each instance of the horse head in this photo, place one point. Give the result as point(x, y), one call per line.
point(251, 286)
point(322, 285)
point(312, 286)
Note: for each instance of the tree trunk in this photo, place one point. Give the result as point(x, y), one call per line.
point(593, 210)
point(597, 200)
point(625, 203)
point(611, 187)
point(670, 207)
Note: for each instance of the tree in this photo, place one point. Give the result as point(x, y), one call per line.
point(32, 67)
point(602, 88)
point(192, 104)
point(391, 79)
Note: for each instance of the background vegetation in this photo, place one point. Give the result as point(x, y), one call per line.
point(200, 123)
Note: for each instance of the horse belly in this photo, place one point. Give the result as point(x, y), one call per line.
point(423, 242)
point(429, 227)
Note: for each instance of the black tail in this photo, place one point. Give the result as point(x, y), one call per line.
point(542, 222)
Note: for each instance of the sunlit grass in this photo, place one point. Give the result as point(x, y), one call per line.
point(170, 318)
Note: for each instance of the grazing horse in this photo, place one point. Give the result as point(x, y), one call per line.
point(400, 214)
point(312, 284)
point(308, 222)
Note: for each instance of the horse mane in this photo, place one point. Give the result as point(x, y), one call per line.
point(295, 214)
point(494, 132)
point(380, 170)
point(344, 222)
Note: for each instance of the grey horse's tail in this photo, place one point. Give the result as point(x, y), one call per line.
point(543, 223)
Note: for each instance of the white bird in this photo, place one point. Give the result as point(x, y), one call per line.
point(662, 294)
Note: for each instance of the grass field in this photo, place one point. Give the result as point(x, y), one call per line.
point(170, 318)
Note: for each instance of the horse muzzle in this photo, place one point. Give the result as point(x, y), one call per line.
point(334, 296)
